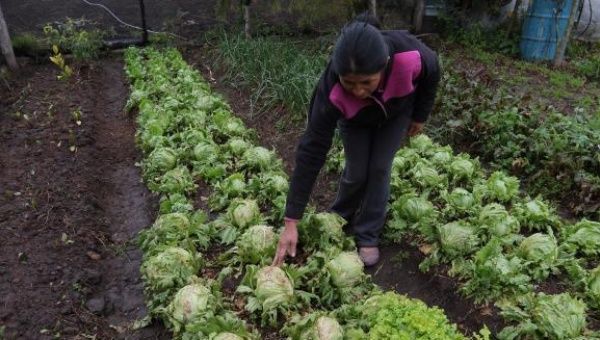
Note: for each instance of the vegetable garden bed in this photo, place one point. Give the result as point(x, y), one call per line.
point(496, 241)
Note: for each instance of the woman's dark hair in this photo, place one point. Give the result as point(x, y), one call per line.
point(361, 48)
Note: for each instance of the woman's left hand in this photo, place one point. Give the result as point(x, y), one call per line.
point(415, 128)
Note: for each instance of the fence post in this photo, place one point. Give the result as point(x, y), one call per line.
point(373, 5)
point(559, 57)
point(6, 44)
point(418, 12)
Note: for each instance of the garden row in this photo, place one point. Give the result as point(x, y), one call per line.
point(498, 242)
point(193, 264)
point(555, 155)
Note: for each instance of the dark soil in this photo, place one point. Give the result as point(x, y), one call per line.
point(71, 204)
point(398, 268)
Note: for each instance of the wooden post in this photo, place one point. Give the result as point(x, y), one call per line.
point(373, 7)
point(418, 13)
point(559, 57)
point(247, 21)
point(6, 44)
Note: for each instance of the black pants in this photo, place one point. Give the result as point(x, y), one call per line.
point(364, 187)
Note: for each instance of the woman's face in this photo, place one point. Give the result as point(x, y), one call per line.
point(359, 85)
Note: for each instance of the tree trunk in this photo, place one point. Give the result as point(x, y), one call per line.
point(559, 57)
point(513, 24)
point(247, 21)
point(373, 7)
point(418, 13)
point(6, 44)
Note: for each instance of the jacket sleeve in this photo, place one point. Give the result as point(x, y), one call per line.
point(427, 85)
point(312, 149)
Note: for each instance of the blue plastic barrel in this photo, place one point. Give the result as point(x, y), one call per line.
point(544, 26)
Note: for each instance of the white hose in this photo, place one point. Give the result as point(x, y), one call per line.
point(123, 22)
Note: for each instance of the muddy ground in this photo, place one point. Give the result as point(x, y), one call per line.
point(398, 268)
point(71, 203)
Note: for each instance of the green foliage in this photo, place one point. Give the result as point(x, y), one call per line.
point(275, 70)
point(72, 36)
point(27, 43)
point(393, 316)
point(542, 316)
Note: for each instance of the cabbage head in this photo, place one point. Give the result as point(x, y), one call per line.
point(326, 328)
point(462, 168)
point(346, 269)
point(237, 146)
point(170, 268)
point(442, 157)
point(206, 152)
point(244, 213)
point(273, 287)
point(593, 287)
point(178, 180)
point(191, 302)
point(413, 208)
point(536, 214)
point(461, 200)
point(404, 160)
point(159, 161)
point(539, 248)
point(168, 229)
point(258, 158)
point(501, 187)
point(427, 176)
point(227, 336)
point(457, 238)
point(544, 316)
point(497, 221)
point(583, 236)
point(257, 244)
point(421, 143)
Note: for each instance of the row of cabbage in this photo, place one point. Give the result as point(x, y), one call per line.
point(191, 257)
point(500, 243)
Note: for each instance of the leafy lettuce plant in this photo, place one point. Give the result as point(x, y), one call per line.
point(541, 316)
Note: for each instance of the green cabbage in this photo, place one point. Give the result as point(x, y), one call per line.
point(413, 208)
point(421, 143)
point(462, 168)
point(259, 158)
point(346, 269)
point(159, 161)
point(244, 213)
point(191, 302)
point(542, 316)
point(227, 336)
point(169, 268)
point(584, 236)
point(257, 244)
point(178, 180)
point(237, 146)
point(427, 176)
point(461, 200)
point(442, 157)
point(457, 238)
point(501, 187)
point(540, 251)
point(496, 220)
point(273, 287)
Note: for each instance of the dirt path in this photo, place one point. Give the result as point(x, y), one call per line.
point(71, 202)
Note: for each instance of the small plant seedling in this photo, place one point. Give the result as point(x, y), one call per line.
point(58, 60)
point(76, 114)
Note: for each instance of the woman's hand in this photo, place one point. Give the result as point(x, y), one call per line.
point(415, 128)
point(287, 242)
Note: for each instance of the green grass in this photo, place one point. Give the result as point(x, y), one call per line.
point(277, 71)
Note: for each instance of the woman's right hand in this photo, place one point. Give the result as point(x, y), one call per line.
point(287, 242)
